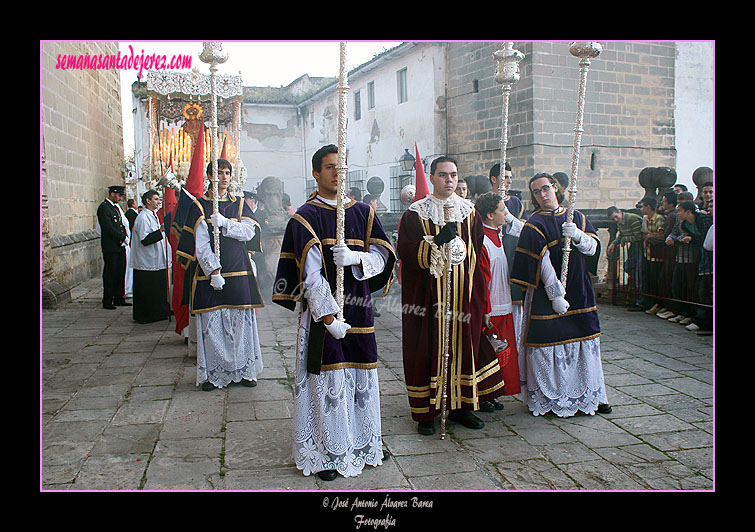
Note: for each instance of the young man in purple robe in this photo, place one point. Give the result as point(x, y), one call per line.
point(337, 426)
point(224, 292)
point(561, 327)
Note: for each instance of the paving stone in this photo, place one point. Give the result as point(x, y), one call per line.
point(536, 474)
point(600, 475)
point(112, 472)
point(121, 411)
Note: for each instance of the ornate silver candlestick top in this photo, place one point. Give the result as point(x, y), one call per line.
point(507, 73)
point(585, 51)
point(212, 53)
point(407, 194)
point(508, 60)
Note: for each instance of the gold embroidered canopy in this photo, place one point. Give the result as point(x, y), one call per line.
point(178, 105)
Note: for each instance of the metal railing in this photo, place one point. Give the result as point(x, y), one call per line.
point(660, 273)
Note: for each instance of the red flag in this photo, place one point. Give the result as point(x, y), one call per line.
point(195, 180)
point(420, 187)
point(195, 186)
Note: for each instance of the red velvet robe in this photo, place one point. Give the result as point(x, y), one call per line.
point(473, 372)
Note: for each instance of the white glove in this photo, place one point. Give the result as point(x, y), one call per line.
point(219, 220)
point(560, 305)
point(343, 256)
point(337, 328)
point(569, 229)
point(217, 281)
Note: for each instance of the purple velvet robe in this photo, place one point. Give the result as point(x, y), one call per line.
point(544, 327)
point(240, 290)
point(314, 224)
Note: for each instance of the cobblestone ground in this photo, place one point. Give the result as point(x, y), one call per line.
point(120, 411)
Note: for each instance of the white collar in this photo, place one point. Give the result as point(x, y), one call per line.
point(431, 208)
point(330, 202)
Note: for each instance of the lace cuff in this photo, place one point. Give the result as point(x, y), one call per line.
point(321, 301)
point(370, 264)
point(587, 245)
point(513, 227)
point(205, 255)
point(241, 231)
point(555, 290)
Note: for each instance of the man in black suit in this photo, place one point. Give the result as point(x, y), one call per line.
point(114, 241)
point(131, 213)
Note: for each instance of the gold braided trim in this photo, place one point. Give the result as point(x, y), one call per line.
point(569, 313)
point(185, 255)
point(350, 241)
point(300, 264)
point(194, 311)
point(285, 297)
point(317, 203)
point(361, 330)
point(423, 255)
point(299, 218)
point(572, 340)
point(368, 231)
point(352, 365)
point(492, 389)
point(229, 274)
point(530, 253)
point(383, 243)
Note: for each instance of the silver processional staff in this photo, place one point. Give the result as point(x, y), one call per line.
point(585, 51)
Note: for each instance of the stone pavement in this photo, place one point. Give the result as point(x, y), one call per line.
point(120, 411)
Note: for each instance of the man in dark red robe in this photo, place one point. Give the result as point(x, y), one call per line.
point(473, 374)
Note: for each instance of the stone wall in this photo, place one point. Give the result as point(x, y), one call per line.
point(82, 154)
point(628, 115)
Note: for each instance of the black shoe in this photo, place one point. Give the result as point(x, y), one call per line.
point(122, 304)
point(466, 418)
point(248, 384)
point(491, 406)
point(426, 428)
point(328, 475)
point(604, 408)
point(208, 386)
point(108, 306)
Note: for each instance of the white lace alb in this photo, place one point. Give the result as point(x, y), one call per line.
point(228, 346)
point(563, 378)
point(336, 416)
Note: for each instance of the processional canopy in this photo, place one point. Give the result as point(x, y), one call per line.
point(178, 106)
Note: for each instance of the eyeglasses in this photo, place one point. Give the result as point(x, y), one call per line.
point(542, 190)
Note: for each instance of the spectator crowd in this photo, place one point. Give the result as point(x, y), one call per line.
point(666, 253)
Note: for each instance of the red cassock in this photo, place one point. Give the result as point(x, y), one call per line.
point(474, 373)
point(503, 321)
